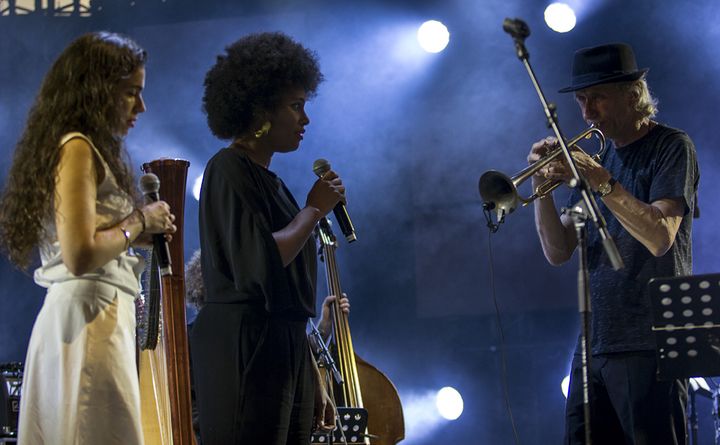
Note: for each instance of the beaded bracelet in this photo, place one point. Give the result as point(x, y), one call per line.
point(126, 234)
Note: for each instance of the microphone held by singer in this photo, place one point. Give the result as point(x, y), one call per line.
point(320, 168)
point(150, 187)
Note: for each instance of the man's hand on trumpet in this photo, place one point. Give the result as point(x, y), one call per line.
point(558, 169)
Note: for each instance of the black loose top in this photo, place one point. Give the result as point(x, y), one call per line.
point(241, 205)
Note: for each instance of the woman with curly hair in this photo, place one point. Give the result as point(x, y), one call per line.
point(255, 378)
point(69, 193)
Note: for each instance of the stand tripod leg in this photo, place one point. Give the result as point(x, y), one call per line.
point(692, 418)
point(716, 414)
point(579, 218)
point(586, 378)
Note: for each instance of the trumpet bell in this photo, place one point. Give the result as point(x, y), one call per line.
point(499, 192)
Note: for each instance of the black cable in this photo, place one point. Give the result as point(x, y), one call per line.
point(502, 339)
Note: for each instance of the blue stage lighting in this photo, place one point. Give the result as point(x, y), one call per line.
point(449, 403)
point(196, 187)
point(560, 17)
point(564, 385)
point(422, 419)
point(433, 36)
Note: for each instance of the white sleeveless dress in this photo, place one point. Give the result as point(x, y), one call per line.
point(80, 385)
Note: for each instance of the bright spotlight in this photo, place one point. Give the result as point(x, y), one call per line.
point(449, 403)
point(196, 187)
point(433, 36)
point(560, 17)
point(564, 385)
point(422, 419)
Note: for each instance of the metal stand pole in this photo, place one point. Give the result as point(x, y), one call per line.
point(716, 413)
point(693, 418)
point(579, 218)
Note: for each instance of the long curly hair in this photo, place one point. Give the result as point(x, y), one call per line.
point(79, 93)
point(252, 77)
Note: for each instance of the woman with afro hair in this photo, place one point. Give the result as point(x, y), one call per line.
point(255, 378)
point(69, 193)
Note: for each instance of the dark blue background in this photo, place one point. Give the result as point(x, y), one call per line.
point(410, 133)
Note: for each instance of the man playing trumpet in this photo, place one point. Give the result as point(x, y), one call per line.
point(646, 183)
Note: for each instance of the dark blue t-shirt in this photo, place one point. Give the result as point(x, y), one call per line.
point(662, 164)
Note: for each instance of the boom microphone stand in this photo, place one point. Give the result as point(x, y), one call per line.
point(586, 208)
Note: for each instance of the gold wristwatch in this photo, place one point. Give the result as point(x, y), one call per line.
point(606, 188)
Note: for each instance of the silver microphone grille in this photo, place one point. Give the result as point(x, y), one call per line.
point(149, 183)
point(320, 167)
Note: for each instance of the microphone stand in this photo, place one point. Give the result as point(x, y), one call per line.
point(579, 217)
point(519, 31)
point(323, 353)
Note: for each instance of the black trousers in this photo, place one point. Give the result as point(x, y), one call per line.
point(628, 404)
point(253, 376)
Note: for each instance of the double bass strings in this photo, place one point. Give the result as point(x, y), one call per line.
point(343, 340)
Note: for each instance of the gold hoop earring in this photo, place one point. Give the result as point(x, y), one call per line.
point(265, 129)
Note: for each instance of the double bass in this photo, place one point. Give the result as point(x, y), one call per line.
point(363, 386)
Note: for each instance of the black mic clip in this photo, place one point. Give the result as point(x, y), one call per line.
point(488, 207)
point(519, 31)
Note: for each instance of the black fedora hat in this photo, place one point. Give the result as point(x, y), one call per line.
point(613, 62)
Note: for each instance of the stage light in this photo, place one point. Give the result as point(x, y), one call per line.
point(196, 187)
point(449, 403)
point(422, 420)
point(433, 36)
point(560, 17)
point(564, 385)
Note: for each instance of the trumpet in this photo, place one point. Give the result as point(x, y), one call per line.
point(500, 192)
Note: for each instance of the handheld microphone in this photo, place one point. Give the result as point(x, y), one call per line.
point(320, 167)
point(150, 186)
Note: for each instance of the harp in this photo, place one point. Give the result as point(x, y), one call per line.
point(163, 358)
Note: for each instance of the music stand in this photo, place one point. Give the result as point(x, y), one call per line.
point(686, 323)
point(350, 427)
